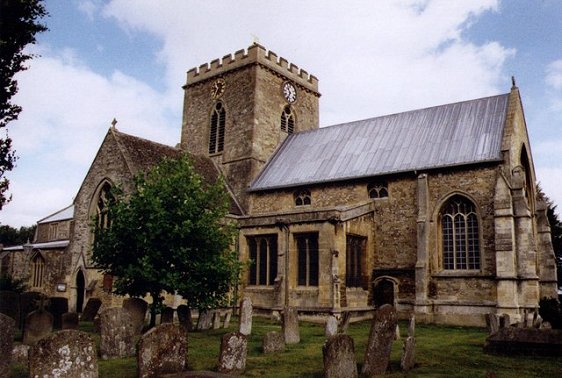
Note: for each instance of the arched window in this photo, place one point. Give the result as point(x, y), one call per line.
point(37, 269)
point(378, 189)
point(302, 197)
point(104, 199)
point(216, 134)
point(459, 234)
point(287, 120)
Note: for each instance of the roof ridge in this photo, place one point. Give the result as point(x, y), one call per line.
point(120, 133)
point(55, 213)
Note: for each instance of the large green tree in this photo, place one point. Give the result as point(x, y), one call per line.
point(10, 236)
point(19, 23)
point(169, 235)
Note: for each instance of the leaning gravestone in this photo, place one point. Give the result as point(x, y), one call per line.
point(137, 309)
point(38, 324)
point(217, 319)
point(116, 334)
point(7, 332)
point(233, 352)
point(291, 325)
point(273, 342)
point(167, 315)
point(339, 357)
point(70, 320)
point(204, 320)
point(91, 310)
point(184, 316)
point(344, 322)
point(407, 361)
point(162, 350)
point(67, 353)
point(57, 307)
point(246, 312)
point(10, 305)
point(29, 302)
point(381, 336)
point(331, 327)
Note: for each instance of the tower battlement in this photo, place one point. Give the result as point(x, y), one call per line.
point(255, 54)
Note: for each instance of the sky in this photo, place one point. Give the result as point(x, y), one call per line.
point(122, 59)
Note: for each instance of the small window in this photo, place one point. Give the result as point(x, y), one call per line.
point(378, 190)
point(287, 120)
point(53, 231)
point(263, 253)
point(307, 250)
point(355, 253)
point(302, 197)
point(37, 270)
point(216, 134)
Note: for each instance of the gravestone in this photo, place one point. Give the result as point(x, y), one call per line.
point(227, 317)
point(339, 357)
point(397, 333)
point(233, 352)
point(407, 360)
point(20, 354)
point(291, 325)
point(184, 316)
point(505, 321)
point(10, 305)
point(204, 320)
point(29, 302)
point(70, 320)
point(331, 327)
point(246, 312)
point(91, 310)
point(512, 341)
point(379, 345)
point(116, 333)
point(67, 353)
point(57, 307)
point(137, 309)
point(492, 323)
point(7, 333)
point(167, 315)
point(273, 342)
point(162, 350)
point(344, 322)
point(217, 320)
point(38, 324)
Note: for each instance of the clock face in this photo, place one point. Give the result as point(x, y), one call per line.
point(289, 92)
point(218, 88)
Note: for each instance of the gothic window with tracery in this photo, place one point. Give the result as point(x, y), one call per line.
point(263, 253)
point(302, 197)
point(378, 190)
point(104, 199)
point(460, 235)
point(37, 270)
point(216, 134)
point(287, 120)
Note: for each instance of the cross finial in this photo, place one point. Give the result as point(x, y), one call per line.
point(113, 123)
point(513, 85)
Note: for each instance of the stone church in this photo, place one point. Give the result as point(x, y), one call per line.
point(433, 210)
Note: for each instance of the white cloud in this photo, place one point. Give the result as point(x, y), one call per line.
point(554, 75)
point(549, 179)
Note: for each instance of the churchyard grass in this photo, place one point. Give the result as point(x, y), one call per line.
point(440, 352)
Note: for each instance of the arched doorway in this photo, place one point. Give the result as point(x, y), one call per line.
point(383, 292)
point(80, 286)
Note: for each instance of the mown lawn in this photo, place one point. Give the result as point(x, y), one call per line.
point(440, 352)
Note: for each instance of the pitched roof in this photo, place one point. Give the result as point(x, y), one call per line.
point(448, 135)
point(64, 214)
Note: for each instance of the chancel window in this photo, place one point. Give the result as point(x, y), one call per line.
point(287, 120)
point(102, 211)
point(216, 134)
point(460, 234)
point(378, 190)
point(263, 253)
point(302, 197)
point(307, 250)
point(37, 270)
point(355, 253)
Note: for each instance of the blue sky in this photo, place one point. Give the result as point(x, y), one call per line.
point(128, 59)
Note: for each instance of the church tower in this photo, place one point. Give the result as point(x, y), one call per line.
point(238, 109)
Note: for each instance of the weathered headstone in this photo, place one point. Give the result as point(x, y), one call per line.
point(204, 320)
point(38, 324)
point(331, 327)
point(505, 321)
point(233, 352)
point(70, 320)
point(167, 315)
point(412, 326)
point(29, 302)
point(397, 333)
point(20, 354)
point(184, 316)
point(162, 350)
point(344, 322)
point(10, 305)
point(246, 313)
point(339, 357)
point(7, 333)
point(91, 310)
point(273, 342)
point(408, 361)
point(137, 309)
point(116, 333)
point(290, 327)
point(67, 353)
point(379, 345)
point(57, 307)
point(492, 323)
point(227, 317)
point(217, 320)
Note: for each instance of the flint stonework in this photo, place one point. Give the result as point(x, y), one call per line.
point(246, 312)
point(233, 352)
point(339, 357)
point(116, 334)
point(38, 324)
point(7, 333)
point(273, 342)
point(291, 330)
point(381, 336)
point(162, 350)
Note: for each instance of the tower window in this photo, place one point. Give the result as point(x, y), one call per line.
point(216, 134)
point(263, 253)
point(302, 197)
point(378, 190)
point(460, 235)
point(307, 249)
point(287, 120)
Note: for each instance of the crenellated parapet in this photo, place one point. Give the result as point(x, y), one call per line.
point(255, 54)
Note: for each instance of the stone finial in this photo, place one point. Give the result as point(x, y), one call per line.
point(113, 123)
point(513, 84)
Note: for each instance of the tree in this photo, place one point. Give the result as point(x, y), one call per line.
point(19, 23)
point(12, 236)
point(169, 235)
point(555, 231)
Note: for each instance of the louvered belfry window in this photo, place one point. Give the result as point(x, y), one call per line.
point(216, 134)
point(287, 120)
point(460, 235)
